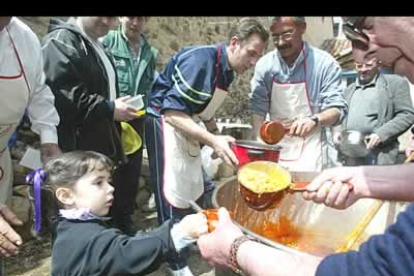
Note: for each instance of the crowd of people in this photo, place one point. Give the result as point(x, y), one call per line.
point(76, 86)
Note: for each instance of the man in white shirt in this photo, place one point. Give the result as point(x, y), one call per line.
point(22, 86)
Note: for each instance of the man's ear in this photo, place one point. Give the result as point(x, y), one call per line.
point(233, 42)
point(302, 28)
point(65, 196)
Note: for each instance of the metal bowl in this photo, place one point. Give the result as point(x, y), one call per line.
point(353, 143)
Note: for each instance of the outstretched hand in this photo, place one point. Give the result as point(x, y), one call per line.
point(9, 239)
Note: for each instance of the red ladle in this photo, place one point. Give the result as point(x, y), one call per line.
point(272, 132)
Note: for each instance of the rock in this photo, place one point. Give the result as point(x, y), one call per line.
point(142, 197)
point(150, 205)
point(21, 207)
point(142, 183)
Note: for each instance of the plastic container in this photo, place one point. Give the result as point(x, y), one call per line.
point(136, 102)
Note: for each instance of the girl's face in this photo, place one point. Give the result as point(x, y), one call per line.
point(94, 191)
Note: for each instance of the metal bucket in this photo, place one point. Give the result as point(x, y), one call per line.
point(321, 229)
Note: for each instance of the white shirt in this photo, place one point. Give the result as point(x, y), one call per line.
point(42, 111)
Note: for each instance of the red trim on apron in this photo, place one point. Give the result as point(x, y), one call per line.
point(20, 64)
point(217, 69)
point(307, 99)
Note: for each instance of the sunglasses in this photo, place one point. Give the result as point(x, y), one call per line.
point(353, 32)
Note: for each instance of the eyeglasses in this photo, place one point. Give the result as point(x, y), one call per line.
point(353, 32)
point(368, 65)
point(285, 36)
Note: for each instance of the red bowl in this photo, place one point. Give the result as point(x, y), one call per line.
point(248, 151)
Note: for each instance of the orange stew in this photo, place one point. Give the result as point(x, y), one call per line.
point(212, 218)
point(283, 231)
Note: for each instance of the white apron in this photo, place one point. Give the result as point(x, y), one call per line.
point(14, 91)
point(290, 101)
point(183, 177)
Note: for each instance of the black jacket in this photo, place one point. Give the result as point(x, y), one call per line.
point(89, 248)
point(77, 76)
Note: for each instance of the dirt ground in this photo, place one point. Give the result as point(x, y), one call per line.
point(34, 258)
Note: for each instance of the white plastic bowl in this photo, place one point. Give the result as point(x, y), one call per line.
point(136, 102)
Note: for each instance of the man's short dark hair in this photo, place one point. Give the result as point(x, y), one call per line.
point(246, 27)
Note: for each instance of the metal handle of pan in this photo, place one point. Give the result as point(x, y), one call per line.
point(255, 153)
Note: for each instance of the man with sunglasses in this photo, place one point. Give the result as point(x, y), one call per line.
point(380, 106)
point(299, 85)
point(389, 254)
point(392, 38)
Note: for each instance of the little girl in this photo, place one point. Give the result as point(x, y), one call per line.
point(84, 245)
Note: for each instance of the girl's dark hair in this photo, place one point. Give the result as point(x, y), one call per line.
point(68, 168)
point(64, 171)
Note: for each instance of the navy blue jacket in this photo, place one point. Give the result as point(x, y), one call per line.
point(90, 248)
point(189, 80)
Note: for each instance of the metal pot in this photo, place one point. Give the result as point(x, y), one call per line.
point(353, 143)
point(238, 131)
point(248, 151)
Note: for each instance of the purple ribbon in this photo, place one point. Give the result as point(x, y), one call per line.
point(37, 176)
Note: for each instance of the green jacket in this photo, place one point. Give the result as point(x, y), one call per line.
point(133, 80)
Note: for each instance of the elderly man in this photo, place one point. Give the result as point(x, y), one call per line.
point(389, 254)
point(300, 86)
point(191, 88)
point(22, 85)
point(379, 106)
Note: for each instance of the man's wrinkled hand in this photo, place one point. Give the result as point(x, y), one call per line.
point(330, 187)
point(215, 247)
point(302, 127)
point(123, 111)
point(10, 241)
point(222, 148)
point(372, 141)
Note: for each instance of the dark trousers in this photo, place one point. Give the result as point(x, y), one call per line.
point(126, 179)
point(370, 159)
point(155, 147)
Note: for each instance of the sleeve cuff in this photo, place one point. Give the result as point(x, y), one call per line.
point(179, 238)
point(48, 134)
point(111, 108)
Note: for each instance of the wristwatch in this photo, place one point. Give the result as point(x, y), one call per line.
point(314, 118)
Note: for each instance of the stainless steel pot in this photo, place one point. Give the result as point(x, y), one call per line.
point(238, 131)
point(321, 229)
point(353, 143)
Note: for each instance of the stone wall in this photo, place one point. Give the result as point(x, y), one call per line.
point(170, 34)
